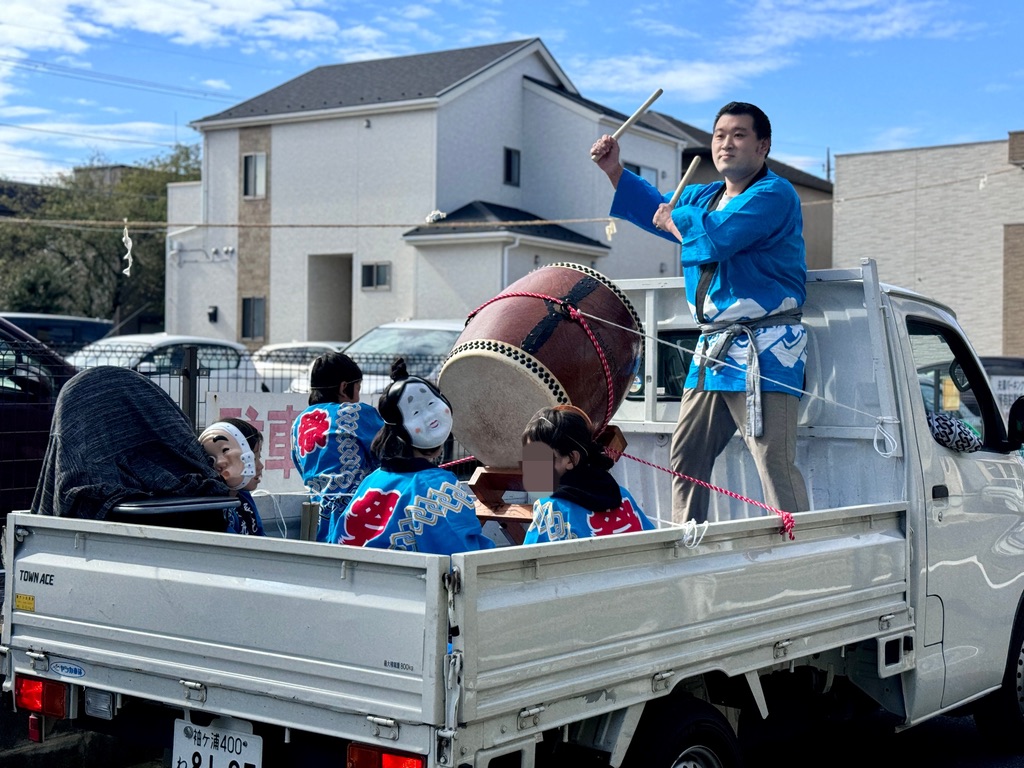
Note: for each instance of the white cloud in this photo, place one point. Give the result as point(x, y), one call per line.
point(22, 111)
point(361, 34)
point(416, 12)
point(784, 23)
point(896, 137)
point(695, 81)
point(217, 84)
point(659, 28)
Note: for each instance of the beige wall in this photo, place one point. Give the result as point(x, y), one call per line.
point(939, 220)
point(254, 241)
point(1013, 290)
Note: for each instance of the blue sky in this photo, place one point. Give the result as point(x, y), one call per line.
point(122, 79)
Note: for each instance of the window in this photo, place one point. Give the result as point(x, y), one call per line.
point(512, 167)
point(254, 317)
point(377, 277)
point(215, 357)
point(674, 352)
point(254, 175)
point(645, 173)
point(945, 372)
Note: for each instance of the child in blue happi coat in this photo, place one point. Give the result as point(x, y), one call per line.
point(410, 503)
point(332, 438)
point(561, 457)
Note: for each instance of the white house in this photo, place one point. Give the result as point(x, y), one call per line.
point(946, 221)
point(311, 219)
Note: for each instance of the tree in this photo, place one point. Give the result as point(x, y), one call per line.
point(61, 263)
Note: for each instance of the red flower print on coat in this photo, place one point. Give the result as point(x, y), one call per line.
point(313, 428)
point(368, 516)
point(621, 520)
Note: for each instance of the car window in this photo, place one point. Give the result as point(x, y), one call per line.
point(113, 352)
point(423, 349)
point(165, 359)
point(946, 374)
point(23, 374)
point(218, 358)
point(674, 352)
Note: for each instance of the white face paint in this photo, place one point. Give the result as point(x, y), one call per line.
point(425, 416)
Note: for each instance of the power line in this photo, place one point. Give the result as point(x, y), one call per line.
point(87, 135)
point(115, 80)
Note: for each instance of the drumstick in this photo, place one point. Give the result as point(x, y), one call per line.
point(685, 180)
point(634, 117)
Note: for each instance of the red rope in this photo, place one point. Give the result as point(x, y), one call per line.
point(456, 462)
point(575, 315)
point(786, 518)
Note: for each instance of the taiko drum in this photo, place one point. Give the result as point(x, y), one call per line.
point(561, 334)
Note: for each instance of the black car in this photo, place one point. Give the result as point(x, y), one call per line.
point(31, 375)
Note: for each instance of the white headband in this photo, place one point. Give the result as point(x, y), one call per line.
point(248, 457)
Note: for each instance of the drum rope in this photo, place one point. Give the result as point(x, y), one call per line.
point(580, 318)
point(785, 517)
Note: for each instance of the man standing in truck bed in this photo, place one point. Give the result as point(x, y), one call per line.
point(744, 263)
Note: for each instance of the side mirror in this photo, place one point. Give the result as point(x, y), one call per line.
point(148, 368)
point(1015, 425)
point(959, 377)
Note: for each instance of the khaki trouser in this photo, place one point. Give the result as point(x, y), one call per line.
point(707, 421)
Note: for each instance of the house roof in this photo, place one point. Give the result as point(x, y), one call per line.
point(380, 81)
point(651, 120)
point(476, 214)
point(698, 142)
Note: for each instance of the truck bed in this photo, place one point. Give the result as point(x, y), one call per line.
point(318, 637)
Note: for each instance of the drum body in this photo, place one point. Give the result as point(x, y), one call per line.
point(523, 351)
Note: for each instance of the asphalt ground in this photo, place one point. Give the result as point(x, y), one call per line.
point(62, 748)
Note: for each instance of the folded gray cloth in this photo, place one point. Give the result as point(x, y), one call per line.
point(116, 437)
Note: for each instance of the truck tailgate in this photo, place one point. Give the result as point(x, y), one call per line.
point(600, 618)
point(299, 632)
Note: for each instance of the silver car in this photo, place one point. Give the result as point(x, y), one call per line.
point(224, 366)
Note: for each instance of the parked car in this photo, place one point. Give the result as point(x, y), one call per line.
point(63, 333)
point(225, 366)
point(424, 344)
point(278, 364)
point(31, 376)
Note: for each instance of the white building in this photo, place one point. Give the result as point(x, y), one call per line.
point(946, 221)
point(309, 221)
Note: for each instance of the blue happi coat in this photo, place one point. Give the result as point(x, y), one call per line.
point(756, 243)
point(412, 505)
point(331, 450)
point(246, 518)
point(557, 519)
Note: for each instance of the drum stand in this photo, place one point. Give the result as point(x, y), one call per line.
point(489, 486)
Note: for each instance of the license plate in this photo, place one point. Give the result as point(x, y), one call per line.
point(224, 743)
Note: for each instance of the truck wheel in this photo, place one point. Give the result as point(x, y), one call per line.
point(1000, 715)
point(691, 735)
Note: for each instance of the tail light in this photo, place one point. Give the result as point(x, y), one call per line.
point(47, 697)
point(366, 756)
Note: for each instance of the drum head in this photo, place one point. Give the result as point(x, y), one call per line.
point(493, 411)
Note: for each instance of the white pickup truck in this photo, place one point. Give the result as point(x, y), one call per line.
point(903, 584)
